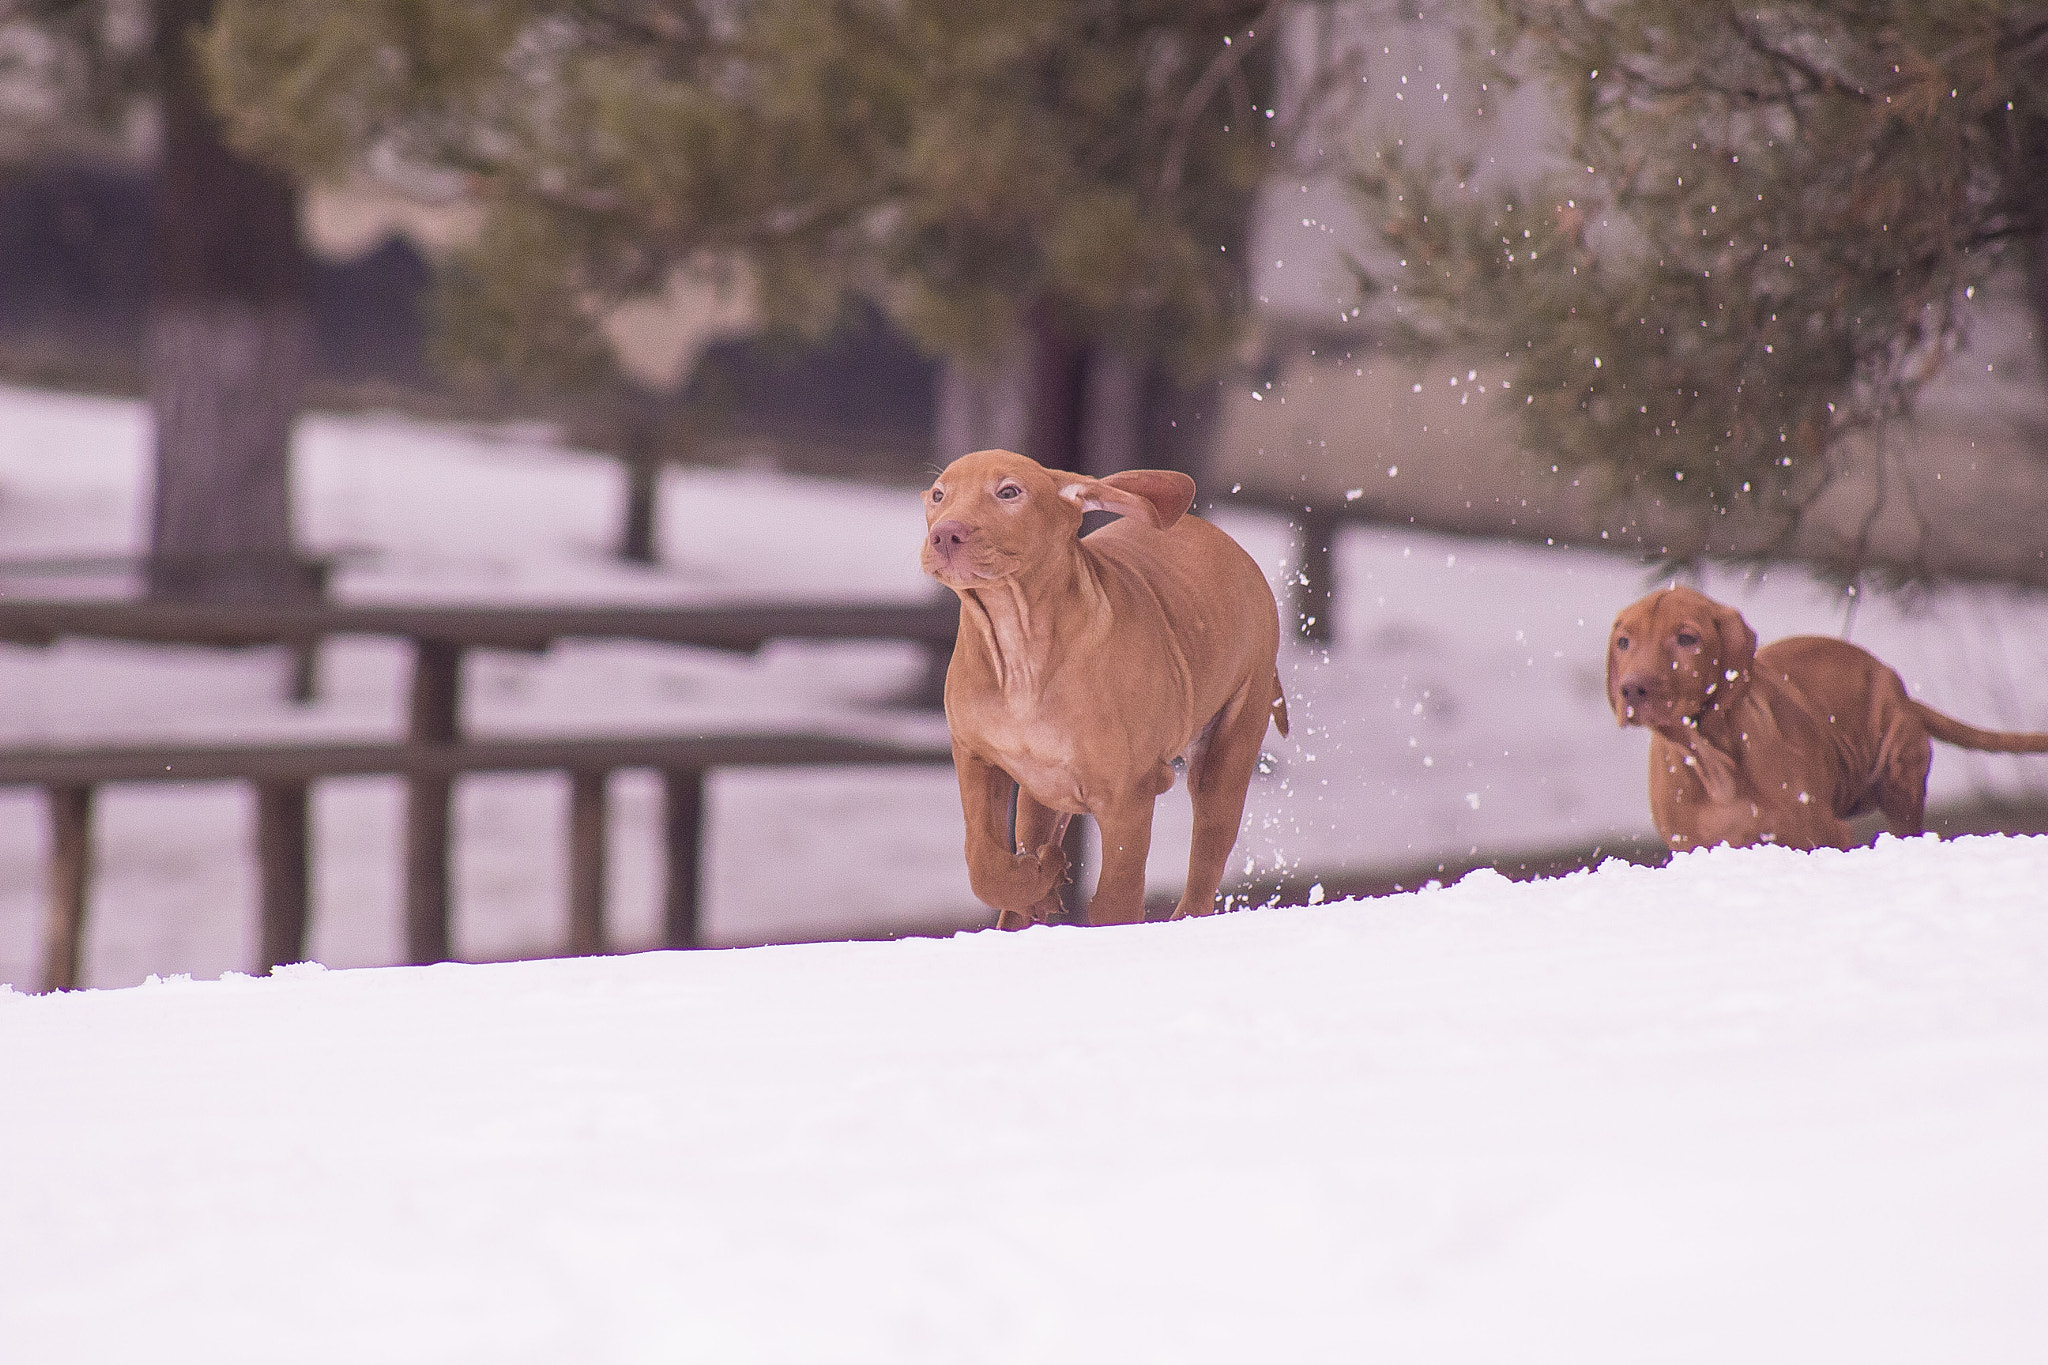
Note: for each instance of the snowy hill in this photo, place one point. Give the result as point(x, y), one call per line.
point(1758, 1106)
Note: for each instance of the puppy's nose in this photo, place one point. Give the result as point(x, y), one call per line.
point(1634, 691)
point(950, 535)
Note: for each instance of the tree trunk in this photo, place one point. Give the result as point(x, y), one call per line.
point(2037, 289)
point(643, 503)
point(1095, 408)
point(640, 452)
point(1089, 407)
point(980, 408)
point(1112, 412)
point(1181, 424)
point(1054, 431)
point(227, 347)
point(224, 380)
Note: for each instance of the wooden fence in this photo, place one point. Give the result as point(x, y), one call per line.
point(282, 775)
point(435, 750)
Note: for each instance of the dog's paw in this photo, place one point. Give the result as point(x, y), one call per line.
point(1018, 884)
point(1050, 910)
point(1047, 910)
point(1049, 870)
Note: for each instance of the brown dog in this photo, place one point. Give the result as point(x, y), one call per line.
point(1781, 745)
point(1085, 667)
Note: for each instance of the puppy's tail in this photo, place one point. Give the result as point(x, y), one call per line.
point(1949, 730)
point(1279, 708)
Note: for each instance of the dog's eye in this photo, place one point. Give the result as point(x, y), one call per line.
point(1621, 642)
point(1010, 492)
point(938, 495)
point(1688, 640)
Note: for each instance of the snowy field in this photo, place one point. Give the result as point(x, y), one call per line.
point(1460, 709)
point(1758, 1106)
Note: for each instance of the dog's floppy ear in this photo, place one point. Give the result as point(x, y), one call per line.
point(1613, 677)
point(1157, 497)
point(1737, 654)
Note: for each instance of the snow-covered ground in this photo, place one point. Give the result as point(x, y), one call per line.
point(1757, 1106)
point(1461, 708)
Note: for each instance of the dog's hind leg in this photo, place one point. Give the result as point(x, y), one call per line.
point(1218, 774)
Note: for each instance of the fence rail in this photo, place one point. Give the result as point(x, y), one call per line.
point(303, 762)
point(739, 626)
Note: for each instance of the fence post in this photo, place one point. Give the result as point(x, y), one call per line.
point(685, 830)
point(1313, 587)
point(436, 696)
point(307, 580)
point(587, 792)
point(70, 883)
point(283, 870)
point(302, 685)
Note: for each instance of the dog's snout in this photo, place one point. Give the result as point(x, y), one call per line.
point(1634, 691)
point(949, 535)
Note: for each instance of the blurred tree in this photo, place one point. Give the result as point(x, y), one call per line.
point(227, 338)
point(1057, 188)
point(1763, 239)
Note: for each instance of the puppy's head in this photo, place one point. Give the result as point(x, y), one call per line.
point(1675, 655)
point(993, 515)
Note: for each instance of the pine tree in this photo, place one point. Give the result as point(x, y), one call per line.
point(1765, 239)
point(1057, 186)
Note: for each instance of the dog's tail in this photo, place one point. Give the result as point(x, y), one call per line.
point(1949, 730)
point(1279, 707)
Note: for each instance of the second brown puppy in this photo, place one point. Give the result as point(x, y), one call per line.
point(1779, 745)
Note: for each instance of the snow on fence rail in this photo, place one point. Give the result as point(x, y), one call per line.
point(435, 751)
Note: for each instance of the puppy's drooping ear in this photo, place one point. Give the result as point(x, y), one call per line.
point(1614, 701)
point(1157, 497)
point(1737, 655)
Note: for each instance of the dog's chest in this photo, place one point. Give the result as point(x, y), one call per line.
point(1039, 753)
point(1752, 808)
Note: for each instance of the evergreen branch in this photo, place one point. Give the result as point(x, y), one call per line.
point(1226, 67)
point(1819, 80)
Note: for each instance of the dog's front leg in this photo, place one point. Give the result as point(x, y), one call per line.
point(1043, 830)
point(1012, 883)
point(1126, 838)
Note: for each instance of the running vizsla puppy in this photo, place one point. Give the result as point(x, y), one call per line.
point(1085, 667)
point(1779, 745)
